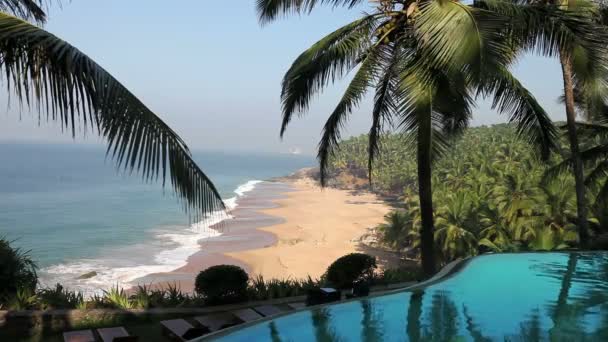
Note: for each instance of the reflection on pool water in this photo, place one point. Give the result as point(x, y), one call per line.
point(503, 297)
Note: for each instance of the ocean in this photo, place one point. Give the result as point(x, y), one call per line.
point(76, 213)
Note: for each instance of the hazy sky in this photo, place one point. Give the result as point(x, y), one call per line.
point(213, 73)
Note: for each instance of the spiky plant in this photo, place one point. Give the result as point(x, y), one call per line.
point(117, 298)
point(61, 83)
point(17, 271)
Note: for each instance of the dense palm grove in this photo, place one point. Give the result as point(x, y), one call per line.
point(491, 193)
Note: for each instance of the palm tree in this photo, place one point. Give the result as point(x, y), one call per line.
point(63, 84)
point(594, 156)
point(426, 62)
point(395, 231)
point(583, 68)
point(457, 229)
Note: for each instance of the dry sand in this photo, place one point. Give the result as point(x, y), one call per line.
point(287, 229)
point(320, 226)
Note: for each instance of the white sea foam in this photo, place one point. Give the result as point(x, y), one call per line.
point(240, 191)
point(118, 270)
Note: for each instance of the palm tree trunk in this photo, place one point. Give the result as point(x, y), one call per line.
point(425, 194)
point(579, 176)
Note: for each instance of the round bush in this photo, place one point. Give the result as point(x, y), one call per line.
point(17, 271)
point(222, 284)
point(351, 268)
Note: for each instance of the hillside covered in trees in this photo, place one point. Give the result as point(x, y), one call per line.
point(491, 193)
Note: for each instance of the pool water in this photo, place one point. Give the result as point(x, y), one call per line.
point(501, 297)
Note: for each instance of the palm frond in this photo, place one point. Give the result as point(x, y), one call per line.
point(550, 29)
point(354, 93)
point(598, 130)
point(512, 98)
point(599, 172)
point(453, 102)
point(69, 87)
point(453, 36)
point(421, 123)
point(602, 195)
point(326, 60)
point(384, 101)
point(269, 10)
point(24, 9)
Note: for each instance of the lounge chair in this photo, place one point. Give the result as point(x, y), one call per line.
point(297, 306)
point(322, 295)
point(268, 310)
point(181, 330)
point(79, 336)
point(246, 315)
point(217, 321)
point(118, 334)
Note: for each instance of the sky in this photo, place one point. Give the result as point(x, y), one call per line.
point(213, 73)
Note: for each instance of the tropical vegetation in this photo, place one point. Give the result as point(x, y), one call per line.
point(216, 285)
point(427, 62)
point(491, 193)
point(17, 271)
point(62, 84)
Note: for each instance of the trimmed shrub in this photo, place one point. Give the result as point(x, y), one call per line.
point(351, 268)
point(17, 271)
point(222, 284)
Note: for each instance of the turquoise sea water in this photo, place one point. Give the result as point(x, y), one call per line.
point(76, 214)
point(507, 297)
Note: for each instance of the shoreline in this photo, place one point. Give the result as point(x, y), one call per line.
point(286, 227)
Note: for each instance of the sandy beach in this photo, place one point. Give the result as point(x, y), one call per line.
point(320, 226)
point(286, 228)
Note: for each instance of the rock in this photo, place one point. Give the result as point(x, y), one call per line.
point(88, 275)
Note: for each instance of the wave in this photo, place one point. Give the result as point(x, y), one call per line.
point(240, 191)
point(119, 269)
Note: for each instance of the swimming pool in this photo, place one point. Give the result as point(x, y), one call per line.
point(500, 297)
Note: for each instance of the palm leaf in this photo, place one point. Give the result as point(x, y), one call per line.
point(549, 29)
point(512, 98)
point(269, 10)
point(384, 101)
point(452, 36)
point(326, 60)
point(24, 9)
point(599, 172)
point(352, 96)
point(59, 80)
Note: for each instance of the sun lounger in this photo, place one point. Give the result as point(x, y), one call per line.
point(217, 321)
point(247, 315)
point(79, 336)
point(182, 330)
point(118, 334)
point(297, 306)
point(268, 310)
point(322, 296)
